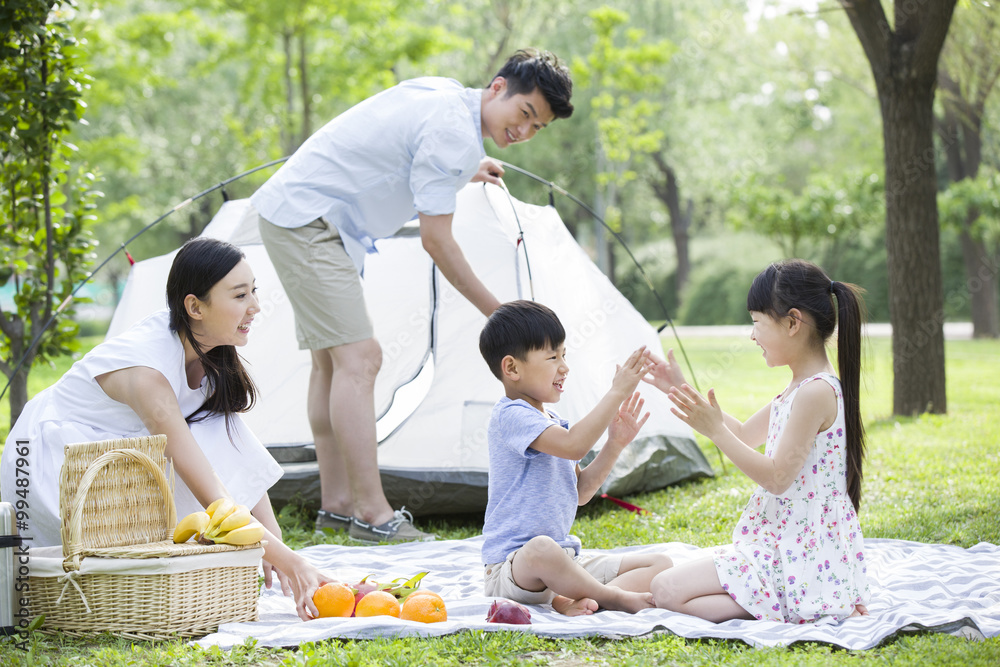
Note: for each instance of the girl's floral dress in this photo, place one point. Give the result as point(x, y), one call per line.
point(799, 557)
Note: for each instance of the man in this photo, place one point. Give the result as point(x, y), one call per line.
point(404, 153)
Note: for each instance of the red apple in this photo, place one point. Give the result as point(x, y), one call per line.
point(508, 611)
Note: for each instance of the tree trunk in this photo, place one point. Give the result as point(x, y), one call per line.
point(18, 394)
point(14, 330)
point(916, 295)
point(304, 88)
point(680, 222)
point(981, 280)
point(904, 58)
point(287, 135)
point(961, 128)
point(600, 206)
point(504, 14)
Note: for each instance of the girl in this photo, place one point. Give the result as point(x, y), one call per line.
point(176, 372)
point(797, 554)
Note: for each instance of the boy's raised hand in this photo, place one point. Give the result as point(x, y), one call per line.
point(626, 424)
point(664, 374)
point(627, 375)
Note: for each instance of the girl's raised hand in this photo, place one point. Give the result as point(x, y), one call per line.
point(701, 414)
point(664, 374)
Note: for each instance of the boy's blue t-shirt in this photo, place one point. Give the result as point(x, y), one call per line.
point(530, 493)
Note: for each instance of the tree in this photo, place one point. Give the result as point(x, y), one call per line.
point(904, 61)
point(668, 192)
point(620, 77)
point(45, 204)
point(971, 206)
point(968, 73)
point(344, 49)
point(826, 210)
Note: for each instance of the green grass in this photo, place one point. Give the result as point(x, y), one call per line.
point(929, 479)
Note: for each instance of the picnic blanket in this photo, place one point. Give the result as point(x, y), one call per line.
point(915, 587)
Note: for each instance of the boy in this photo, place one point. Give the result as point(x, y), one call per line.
point(535, 481)
point(402, 154)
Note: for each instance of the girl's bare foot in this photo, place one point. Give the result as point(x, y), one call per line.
point(628, 601)
point(570, 607)
point(859, 610)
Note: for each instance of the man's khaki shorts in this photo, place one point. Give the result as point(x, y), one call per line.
point(500, 577)
point(320, 281)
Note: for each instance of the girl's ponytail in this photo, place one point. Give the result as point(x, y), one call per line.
point(850, 316)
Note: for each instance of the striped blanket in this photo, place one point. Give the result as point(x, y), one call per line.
point(915, 587)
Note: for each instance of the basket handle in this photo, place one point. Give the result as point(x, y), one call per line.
point(80, 499)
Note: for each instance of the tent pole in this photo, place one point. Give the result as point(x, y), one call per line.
point(121, 248)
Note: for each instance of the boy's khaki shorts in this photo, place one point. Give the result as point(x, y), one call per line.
point(500, 577)
point(321, 283)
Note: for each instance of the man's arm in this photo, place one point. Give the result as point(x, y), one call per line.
point(440, 244)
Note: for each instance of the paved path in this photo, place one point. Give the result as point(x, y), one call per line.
point(952, 331)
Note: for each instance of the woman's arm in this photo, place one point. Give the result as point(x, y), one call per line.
point(148, 393)
point(151, 397)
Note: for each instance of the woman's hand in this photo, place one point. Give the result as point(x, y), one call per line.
point(270, 572)
point(664, 374)
point(303, 581)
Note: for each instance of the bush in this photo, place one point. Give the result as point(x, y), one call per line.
point(93, 327)
point(862, 261)
point(659, 262)
point(717, 294)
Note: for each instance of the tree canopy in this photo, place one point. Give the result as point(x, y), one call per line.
point(702, 130)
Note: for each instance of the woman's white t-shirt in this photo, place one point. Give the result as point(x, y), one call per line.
point(76, 409)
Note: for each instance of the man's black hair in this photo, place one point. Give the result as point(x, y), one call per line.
point(529, 69)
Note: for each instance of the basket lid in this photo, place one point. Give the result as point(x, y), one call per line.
point(125, 498)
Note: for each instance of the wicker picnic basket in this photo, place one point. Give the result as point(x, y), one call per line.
point(116, 503)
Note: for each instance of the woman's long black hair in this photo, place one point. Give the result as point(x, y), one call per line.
point(198, 266)
point(796, 283)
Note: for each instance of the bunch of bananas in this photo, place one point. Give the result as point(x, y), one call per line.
point(223, 522)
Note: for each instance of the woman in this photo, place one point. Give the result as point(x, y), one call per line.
point(176, 372)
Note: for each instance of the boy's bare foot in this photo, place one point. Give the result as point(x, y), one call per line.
point(571, 607)
point(859, 610)
point(628, 601)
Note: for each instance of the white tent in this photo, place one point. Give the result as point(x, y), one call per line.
point(434, 392)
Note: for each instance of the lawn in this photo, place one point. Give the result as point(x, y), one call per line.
point(931, 479)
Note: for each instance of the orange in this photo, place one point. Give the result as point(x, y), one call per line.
point(334, 599)
point(426, 608)
point(421, 591)
point(378, 603)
